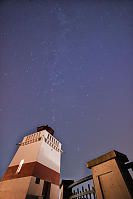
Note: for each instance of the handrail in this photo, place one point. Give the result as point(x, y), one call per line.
point(129, 165)
point(80, 181)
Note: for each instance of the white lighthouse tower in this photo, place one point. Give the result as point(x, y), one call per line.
point(34, 171)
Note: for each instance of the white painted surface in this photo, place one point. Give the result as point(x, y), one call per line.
point(27, 152)
point(15, 188)
point(49, 157)
point(39, 151)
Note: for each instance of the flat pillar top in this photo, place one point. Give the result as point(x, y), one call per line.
point(108, 156)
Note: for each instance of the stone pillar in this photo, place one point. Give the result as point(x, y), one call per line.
point(65, 193)
point(111, 177)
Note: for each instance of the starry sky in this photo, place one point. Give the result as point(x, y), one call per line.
point(67, 64)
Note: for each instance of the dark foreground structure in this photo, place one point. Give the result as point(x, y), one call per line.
point(110, 179)
point(34, 173)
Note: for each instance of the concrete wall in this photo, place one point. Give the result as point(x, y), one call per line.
point(35, 189)
point(54, 192)
point(15, 188)
point(109, 182)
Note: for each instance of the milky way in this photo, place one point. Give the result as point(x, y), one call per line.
point(67, 64)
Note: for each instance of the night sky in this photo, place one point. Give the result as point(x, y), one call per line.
point(68, 64)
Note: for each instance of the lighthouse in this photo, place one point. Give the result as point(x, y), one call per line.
point(34, 171)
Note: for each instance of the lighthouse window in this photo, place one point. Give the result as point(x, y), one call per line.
point(20, 166)
point(37, 181)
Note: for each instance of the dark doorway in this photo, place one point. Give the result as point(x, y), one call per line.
point(46, 190)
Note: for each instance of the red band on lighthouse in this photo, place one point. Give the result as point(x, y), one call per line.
point(35, 169)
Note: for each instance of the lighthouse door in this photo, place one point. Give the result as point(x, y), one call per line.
point(46, 190)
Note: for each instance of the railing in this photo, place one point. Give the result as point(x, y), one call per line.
point(81, 189)
point(129, 165)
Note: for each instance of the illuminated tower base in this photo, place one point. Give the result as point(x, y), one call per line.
point(34, 171)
